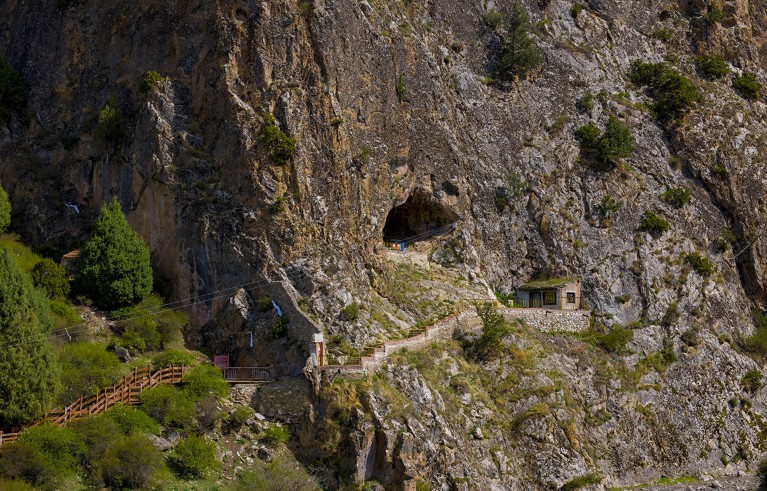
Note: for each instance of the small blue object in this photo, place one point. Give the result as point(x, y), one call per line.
point(402, 246)
point(277, 308)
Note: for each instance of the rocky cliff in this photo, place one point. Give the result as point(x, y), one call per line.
point(397, 114)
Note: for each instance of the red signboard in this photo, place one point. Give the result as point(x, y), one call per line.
point(221, 361)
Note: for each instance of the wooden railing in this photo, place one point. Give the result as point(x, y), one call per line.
point(125, 391)
point(252, 374)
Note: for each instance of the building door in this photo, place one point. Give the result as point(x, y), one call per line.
point(535, 300)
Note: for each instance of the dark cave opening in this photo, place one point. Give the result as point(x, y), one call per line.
point(419, 218)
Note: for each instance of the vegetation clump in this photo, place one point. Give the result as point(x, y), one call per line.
point(519, 54)
point(85, 368)
point(282, 146)
point(114, 263)
point(674, 93)
point(752, 381)
point(133, 462)
point(13, 92)
point(194, 457)
point(701, 264)
point(756, 343)
point(110, 126)
point(616, 340)
point(712, 66)
point(606, 149)
point(653, 223)
point(51, 277)
point(150, 80)
point(677, 197)
point(147, 326)
point(351, 312)
point(747, 86)
point(491, 344)
point(5, 210)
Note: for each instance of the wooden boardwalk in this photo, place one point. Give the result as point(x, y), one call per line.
point(125, 391)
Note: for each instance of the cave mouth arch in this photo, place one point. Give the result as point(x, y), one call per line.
point(419, 218)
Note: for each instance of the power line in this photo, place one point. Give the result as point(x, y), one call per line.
point(436, 231)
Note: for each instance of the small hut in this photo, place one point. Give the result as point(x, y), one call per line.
point(554, 293)
point(70, 262)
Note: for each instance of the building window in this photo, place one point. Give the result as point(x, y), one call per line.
point(570, 297)
point(549, 298)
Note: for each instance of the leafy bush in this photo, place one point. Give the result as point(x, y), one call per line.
point(205, 380)
point(85, 368)
point(18, 461)
point(241, 415)
point(132, 421)
point(15, 485)
point(747, 86)
point(351, 312)
point(280, 473)
point(493, 18)
point(96, 434)
point(519, 54)
point(275, 435)
point(671, 316)
point(605, 150)
point(114, 263)
point(690, 337)
point(725, 240)
point(5, 210)
point(653, 223)
point(576, 9)
point(616, 340)
point(149, 80)
point(586, 103)
point(282, 146)
point(57, 446)
point(280, 328)
point(13, 93)
point(110, 127)
point(610, 206)
point(663, 34)
point(176, 358)
point(132, 462)
point(494, 329)
point(752, 381)
point(712, 66)
point(701, 264)
point(169, 406)
point(715, 15)
point(677, 197)
point(194, 458)
point(581, 482)
point(147, 326)
point(63, 315)
point(674, 93)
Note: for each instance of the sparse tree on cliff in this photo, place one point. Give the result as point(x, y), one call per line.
point(114, 263)
point(29, 372)
point(5, 210)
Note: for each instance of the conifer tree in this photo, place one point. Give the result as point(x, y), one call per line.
point(519, 52)
point(5, 210)
point(114, 263)
point(29, 371)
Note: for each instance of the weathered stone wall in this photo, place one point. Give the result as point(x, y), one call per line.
point(551, 320)
point(285, 400)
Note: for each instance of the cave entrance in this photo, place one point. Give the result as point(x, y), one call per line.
point(417, 219)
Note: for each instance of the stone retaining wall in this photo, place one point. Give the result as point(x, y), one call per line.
point(551, 320)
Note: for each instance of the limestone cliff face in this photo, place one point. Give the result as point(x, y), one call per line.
point(388, 101)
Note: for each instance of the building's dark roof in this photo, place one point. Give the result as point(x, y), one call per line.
point(72, 254)
point(547, 284)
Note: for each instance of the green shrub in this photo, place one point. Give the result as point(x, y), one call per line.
point(114, 263)
point(712, 66)
point(671, 316)
point(149, 80)
point(280, 473)
point(205, 380)
point(63, 315)
point(663, 34)
point(18, 461)
point(13, 92)
point(493, 18)
point(690, 337)
point(351, 312)
point(169, 406)
point(715, 15)
point(194, 458)
point(586, 103)
point(610, 206)
point(110, 126)
point(747, 86)
point(280, 328)
point(147, 326)
point(674, 93)
point(701, 264)
point(85, 368)
point(752, 381)
point(576, 9)
point(96, 434)
point(175, 358)
point(58, 445)
point(616, 340)
point(519, 54)
point(725, 240)
point(662, 359)
point(677, 197)
point(762, 472)
point(581, 482)
point(653, 223)
point(605, 149)
point(241, 415)
point(275, 435)
point(5, 210)
point(282, 146)
point(401, 89)
point(132, 421)
point(491, 342)
point(133, 462)
point(15, 485)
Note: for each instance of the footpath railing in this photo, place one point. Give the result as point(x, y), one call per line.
point(253, 374)
point(125, 391)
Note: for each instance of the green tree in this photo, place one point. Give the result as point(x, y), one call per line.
point(110, 127)
point(131, 463)
point(13, 92)
point(282, 146)
point(494, 329)
point(51, 277)
point(194, 457)
point(29, 372)
point(605, 151)
point(519, 53)
point(85, 368)
point(5, 210)
point(674, 93)
point(150, 80)
point(114, 263)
